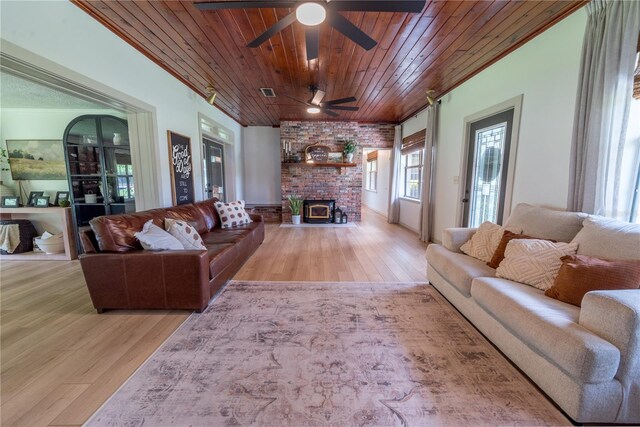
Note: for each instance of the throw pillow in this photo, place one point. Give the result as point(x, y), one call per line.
point(185, 233)
point(154, 238)
point(580, 274)
point(484, 241)
point(534, 262)
point(232, 214)
point(507, 236)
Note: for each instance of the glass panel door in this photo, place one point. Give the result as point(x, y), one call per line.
point(213, 169)
point(487, 166)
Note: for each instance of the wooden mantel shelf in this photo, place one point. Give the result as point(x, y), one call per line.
point(322, 165)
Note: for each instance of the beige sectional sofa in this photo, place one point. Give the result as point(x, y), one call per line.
point(587, 359)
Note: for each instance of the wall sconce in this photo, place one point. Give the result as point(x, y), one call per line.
point(212, 94)
point(430, 99)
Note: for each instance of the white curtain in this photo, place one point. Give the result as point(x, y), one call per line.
point(393, 213)
point(426, 205)
point(599, 149)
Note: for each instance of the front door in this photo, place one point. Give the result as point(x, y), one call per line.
point(213, 169)
point(487, 166)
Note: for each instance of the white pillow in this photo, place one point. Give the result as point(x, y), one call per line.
point(232, 214)
point(534, 262)
point(154, 238)
point(485, 241)
point(185, 233)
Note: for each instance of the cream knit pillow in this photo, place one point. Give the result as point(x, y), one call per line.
point(485, 241)
point(534, 262)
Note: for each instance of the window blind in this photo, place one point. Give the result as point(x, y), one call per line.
point(373, 155)
point(414, 142)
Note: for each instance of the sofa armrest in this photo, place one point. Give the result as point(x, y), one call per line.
point(147, 279)
point(615, 316)
point(453, 238)
point(255, 217)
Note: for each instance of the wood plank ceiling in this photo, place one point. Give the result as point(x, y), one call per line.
point(440, 48)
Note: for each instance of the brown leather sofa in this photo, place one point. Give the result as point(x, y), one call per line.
point(121, 275)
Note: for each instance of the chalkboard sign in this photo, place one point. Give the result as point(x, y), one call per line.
point(316, 153)
point(181, 166)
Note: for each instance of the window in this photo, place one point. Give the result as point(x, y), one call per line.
point(372, 175)
point(412, 176)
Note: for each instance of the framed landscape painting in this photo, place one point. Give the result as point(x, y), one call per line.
point(36, 159)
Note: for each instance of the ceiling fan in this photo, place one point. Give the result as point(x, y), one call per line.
point(315, 104)
point(313, 13)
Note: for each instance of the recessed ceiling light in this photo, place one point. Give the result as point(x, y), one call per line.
point(310, 14)
point(313, 110)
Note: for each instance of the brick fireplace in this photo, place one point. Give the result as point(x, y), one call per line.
point(344, 185)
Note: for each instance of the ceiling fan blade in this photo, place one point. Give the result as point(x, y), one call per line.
point(343, 25)
point(312, 40)
point(340, 101)
point(342, 108)
point(317, 97)
point(411, 6)
point(275, 29)
point(329, 112)
point(298, 101)
point(210, 5)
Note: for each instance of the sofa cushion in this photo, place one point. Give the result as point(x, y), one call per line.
point(221, 255)
point(609, 239)
point(546, 223)
point(534, 262)
point(580, 274)
point(459, 269)
point(549, 327)
point(218, 236)
point(189, 214)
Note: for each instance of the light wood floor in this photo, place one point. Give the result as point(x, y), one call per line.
point(59, 360)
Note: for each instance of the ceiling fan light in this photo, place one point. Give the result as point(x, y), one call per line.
point(311, 14)
point(313, 110)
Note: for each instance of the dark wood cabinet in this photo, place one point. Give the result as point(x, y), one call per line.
point(99, 167)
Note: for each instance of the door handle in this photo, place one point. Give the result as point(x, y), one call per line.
point(465, 200)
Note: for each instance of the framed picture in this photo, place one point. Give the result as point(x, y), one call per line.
point(335, 157)
point(36, 159)
point(10, 201)
point(41, 202)
point(32, 197)
point(60, 196)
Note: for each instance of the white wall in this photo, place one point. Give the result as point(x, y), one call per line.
point(261, 146)
point(545, 70)
point(31, 123)
point(377, 200)
point(60, 32)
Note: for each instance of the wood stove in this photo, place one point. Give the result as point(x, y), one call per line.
point(318, 211)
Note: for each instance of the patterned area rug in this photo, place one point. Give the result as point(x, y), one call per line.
point(327, 354)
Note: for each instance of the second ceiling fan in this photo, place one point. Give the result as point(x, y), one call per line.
point(315, 104)
point(312, 14)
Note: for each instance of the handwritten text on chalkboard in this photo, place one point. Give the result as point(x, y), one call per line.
point(181, 169)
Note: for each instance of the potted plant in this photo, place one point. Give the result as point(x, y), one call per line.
point(295, 204)
point(349, 150)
